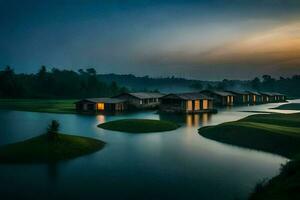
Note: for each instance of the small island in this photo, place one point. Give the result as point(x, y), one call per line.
point(274, 133)
point(289, 106)
point(49, 147)
point(139, 125)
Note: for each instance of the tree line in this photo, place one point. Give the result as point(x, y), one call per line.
point(288, 86)
point(55, 83)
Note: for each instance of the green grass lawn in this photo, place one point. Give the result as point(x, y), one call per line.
point(139, 125)
point(39, 105)
point(275, 133)
point(42, 150)
point(289, 106)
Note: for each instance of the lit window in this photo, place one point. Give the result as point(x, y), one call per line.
point(100, 106)
point(197, 105)
point(189, 105)
point(205, 104)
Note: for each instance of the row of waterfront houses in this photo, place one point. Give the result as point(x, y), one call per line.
point(193, 102)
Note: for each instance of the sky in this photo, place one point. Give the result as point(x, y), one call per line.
point(203, 39)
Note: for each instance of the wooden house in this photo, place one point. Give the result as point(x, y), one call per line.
point(141, 100)
point(241, 97)
point(278, 97)
point(101, 105)
point(186, 103)
point(268, 97)
point(255, 97)
point(221, 98)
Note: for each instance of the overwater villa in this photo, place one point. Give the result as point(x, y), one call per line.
point(279, 97)
point(241, 97)
point(220, 98)
point(141, 100)
point(186, 103)
point(255, 97)
point(269, 97)
point(101, 105)
point(193, 102)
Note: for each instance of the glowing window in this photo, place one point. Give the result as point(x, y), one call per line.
point(254, 98)
point(189, 105)
point(100, 106)
point(205, 104)
point(228, 99)
point(231, 99)
point(197, 105)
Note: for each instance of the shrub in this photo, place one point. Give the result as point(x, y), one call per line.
point(52, 130)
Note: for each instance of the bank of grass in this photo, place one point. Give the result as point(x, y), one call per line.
point(275, 133)
point(289, 106)
point(139, 125)
point(42, 150)
point(39, 105)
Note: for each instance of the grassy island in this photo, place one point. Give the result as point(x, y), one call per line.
point(42, 150)
point(139, 125)
point(39, 105)
point(275, 133)
point(289, 106)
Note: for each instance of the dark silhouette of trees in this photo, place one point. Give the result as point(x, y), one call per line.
point(255, 83)
point(197, 86)
point(55, 83)
point(63, 84)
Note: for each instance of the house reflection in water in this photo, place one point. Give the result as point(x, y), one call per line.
point(194, 120)
point(190, 120)
point(101, 119)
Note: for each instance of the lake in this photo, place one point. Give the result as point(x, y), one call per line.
point(179, 164)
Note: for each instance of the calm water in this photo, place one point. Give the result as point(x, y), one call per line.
point(178, 164)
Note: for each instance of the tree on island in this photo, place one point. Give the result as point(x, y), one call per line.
point(52, 130)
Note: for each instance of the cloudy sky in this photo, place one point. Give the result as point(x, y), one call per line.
point(208, 39)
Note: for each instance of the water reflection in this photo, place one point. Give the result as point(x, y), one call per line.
point(52, 171)
point(190, 120)
point(164, 162)
point(205, 118)
point(101, 119)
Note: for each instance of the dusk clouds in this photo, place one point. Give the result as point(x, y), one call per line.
point(194, 39)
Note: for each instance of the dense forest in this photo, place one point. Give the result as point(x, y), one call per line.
point(288, 86)
point(55, 83)
point(164, 84)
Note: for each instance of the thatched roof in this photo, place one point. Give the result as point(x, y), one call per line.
point(143, 95)
point(218, 92)
point(187, 96)
point(102, 100)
